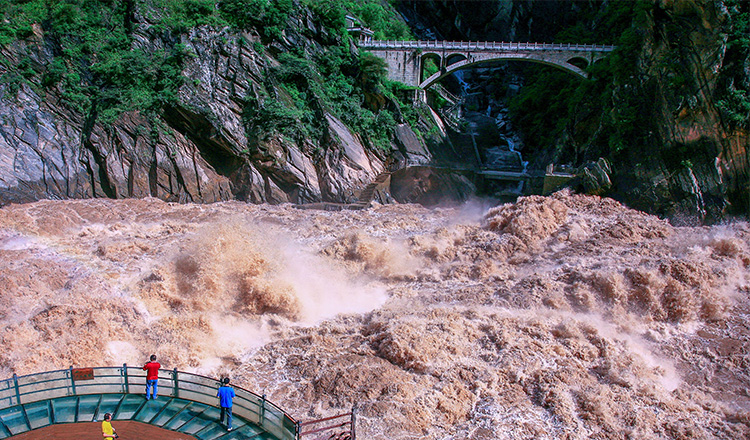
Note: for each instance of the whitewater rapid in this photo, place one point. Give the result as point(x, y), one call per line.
point(555, 317)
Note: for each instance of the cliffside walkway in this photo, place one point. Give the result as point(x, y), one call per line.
point(187, 404)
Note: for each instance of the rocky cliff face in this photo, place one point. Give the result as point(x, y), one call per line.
point(198, 149)
point(201, 148)
point(703, 168)
point(697, 162)
point(491, 20)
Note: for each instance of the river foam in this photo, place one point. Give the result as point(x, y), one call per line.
point(555, 317)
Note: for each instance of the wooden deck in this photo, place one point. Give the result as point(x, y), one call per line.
point(126, 429)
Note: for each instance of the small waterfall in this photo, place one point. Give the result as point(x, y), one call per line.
point(695, 187)
point(524, 163)
point(511, 147)
point(461, 82)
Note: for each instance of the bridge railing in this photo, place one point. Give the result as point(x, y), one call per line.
point(117, 380)
point(480, 45)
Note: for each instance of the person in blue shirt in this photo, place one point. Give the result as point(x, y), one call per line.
point(225, 395)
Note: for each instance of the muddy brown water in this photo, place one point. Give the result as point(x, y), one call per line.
point(555, 317)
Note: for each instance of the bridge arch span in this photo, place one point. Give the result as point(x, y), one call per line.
point(455, 58)
point(580, 62)
point(443, 60)
point(427, 57)
point(466, 63)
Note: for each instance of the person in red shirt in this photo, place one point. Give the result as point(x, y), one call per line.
point(152, 376)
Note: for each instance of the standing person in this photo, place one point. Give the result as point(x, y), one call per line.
point(108, 432)
point(152, 376)
point(225, 395)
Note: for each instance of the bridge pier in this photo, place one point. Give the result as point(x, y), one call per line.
point(403, 65)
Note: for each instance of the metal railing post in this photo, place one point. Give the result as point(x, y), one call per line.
point(354, 421)
point(175, 383)
point(262, 414)
point(15, 385)
point(72, 381)
point(125, 378)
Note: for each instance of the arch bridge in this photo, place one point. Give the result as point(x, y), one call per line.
point(406, 59)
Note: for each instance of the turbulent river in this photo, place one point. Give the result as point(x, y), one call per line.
point(561, 317)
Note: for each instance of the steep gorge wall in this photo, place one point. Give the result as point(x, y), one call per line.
point(703, 157)
point(489, 20)
point(200, 148)
point(197, 149)
point(681, 157)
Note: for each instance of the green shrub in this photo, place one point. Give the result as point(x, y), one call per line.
point(735, 106)
point(430, 68)
point(733, 93)
point(17, 18)
point(271, 14)
point(379, 16)
point(243, 13)
point(554, 105)
point(331, 14)
point(181, 15)
point(99, 71)
point(372, 71)
point(381, 19)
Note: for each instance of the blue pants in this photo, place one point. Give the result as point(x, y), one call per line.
point(151, 385)
point(228, 413)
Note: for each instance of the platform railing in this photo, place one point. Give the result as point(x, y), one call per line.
point(340, 427)
point(255, 408)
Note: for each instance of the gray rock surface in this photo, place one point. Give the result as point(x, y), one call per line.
point(430, 186)
point(197, 150)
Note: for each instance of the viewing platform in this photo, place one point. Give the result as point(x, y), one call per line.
point(65, 402)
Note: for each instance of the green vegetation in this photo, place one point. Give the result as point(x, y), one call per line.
point(24, 15)
point(353, 89)
point(733, 98)
point(375, 14)
point(430, 68)
point(179, 16)
point(268, 16)
point(612, 113)
point(96, 67)
point(100, 71)
point(309, 84)
point(558, 109)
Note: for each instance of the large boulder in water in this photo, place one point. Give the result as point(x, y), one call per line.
point(595, 177)
point(430, 186)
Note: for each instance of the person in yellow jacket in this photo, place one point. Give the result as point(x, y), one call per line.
point(108, 432)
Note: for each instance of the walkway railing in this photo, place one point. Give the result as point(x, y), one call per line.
point(480, 45)
point(340, 427)
point(22, 390)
